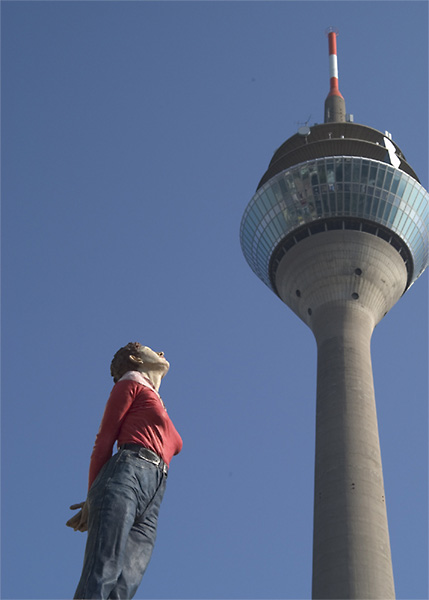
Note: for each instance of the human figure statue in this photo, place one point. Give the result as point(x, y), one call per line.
point(126, 489)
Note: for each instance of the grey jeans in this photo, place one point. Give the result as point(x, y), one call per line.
point(124, 503)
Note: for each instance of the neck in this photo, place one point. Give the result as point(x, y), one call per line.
point(153, 376)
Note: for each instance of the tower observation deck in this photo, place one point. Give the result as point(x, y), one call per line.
point(338, 230)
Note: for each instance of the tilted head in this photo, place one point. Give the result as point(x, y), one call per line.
point(135, 357)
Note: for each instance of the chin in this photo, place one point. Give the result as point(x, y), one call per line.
point(166, 367)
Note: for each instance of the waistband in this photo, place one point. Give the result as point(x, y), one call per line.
point(147, 455)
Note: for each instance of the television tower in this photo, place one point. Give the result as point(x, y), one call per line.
point(338, 230)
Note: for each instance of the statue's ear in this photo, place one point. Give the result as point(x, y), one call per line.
point(136, 360)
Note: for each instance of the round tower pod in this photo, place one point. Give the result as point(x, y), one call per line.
point(348, 192)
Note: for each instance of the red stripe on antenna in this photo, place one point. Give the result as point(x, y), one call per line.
point(332, 37)
point(334, 89)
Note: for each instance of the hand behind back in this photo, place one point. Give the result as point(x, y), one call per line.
point(79, 522)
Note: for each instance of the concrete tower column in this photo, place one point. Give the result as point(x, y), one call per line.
point(341, 283)
point(351, 548)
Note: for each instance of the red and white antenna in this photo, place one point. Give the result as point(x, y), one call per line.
point(335, 107)
point(333, 62)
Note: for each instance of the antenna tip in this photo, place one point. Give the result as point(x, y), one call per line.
point(331, 30)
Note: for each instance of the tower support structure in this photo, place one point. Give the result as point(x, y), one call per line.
point(341, 283)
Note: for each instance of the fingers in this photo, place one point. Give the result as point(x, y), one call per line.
point(79, 522)
point(74, 521)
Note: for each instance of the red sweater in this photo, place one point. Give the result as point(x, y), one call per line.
point(134, 414)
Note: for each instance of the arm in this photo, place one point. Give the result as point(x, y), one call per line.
point(118, 404)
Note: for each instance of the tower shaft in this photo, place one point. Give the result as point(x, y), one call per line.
point(351, 548)
point(341, 283)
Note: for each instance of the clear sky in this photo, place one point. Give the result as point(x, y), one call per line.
point(133, 136)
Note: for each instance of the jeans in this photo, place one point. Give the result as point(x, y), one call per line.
point(124, 503)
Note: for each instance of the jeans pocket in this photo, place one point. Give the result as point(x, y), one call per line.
point(105, 474)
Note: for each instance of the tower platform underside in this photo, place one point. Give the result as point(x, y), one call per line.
point(351, 270)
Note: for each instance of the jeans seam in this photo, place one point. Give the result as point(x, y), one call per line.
point(149, 504)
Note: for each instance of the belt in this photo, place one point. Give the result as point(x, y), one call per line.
point(148, 455)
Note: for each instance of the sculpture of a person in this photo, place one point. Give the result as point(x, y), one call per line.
point(126, 489)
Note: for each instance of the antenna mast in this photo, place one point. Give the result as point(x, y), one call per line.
point(335, 106)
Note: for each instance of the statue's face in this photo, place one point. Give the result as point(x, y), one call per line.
point(152, 359)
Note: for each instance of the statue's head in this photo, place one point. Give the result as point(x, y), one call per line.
point(135, 357)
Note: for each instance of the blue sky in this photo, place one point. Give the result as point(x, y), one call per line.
point(133, 136)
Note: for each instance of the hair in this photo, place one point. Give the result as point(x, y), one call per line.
point(121, 363)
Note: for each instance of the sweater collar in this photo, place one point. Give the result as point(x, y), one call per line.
point(139, 378)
